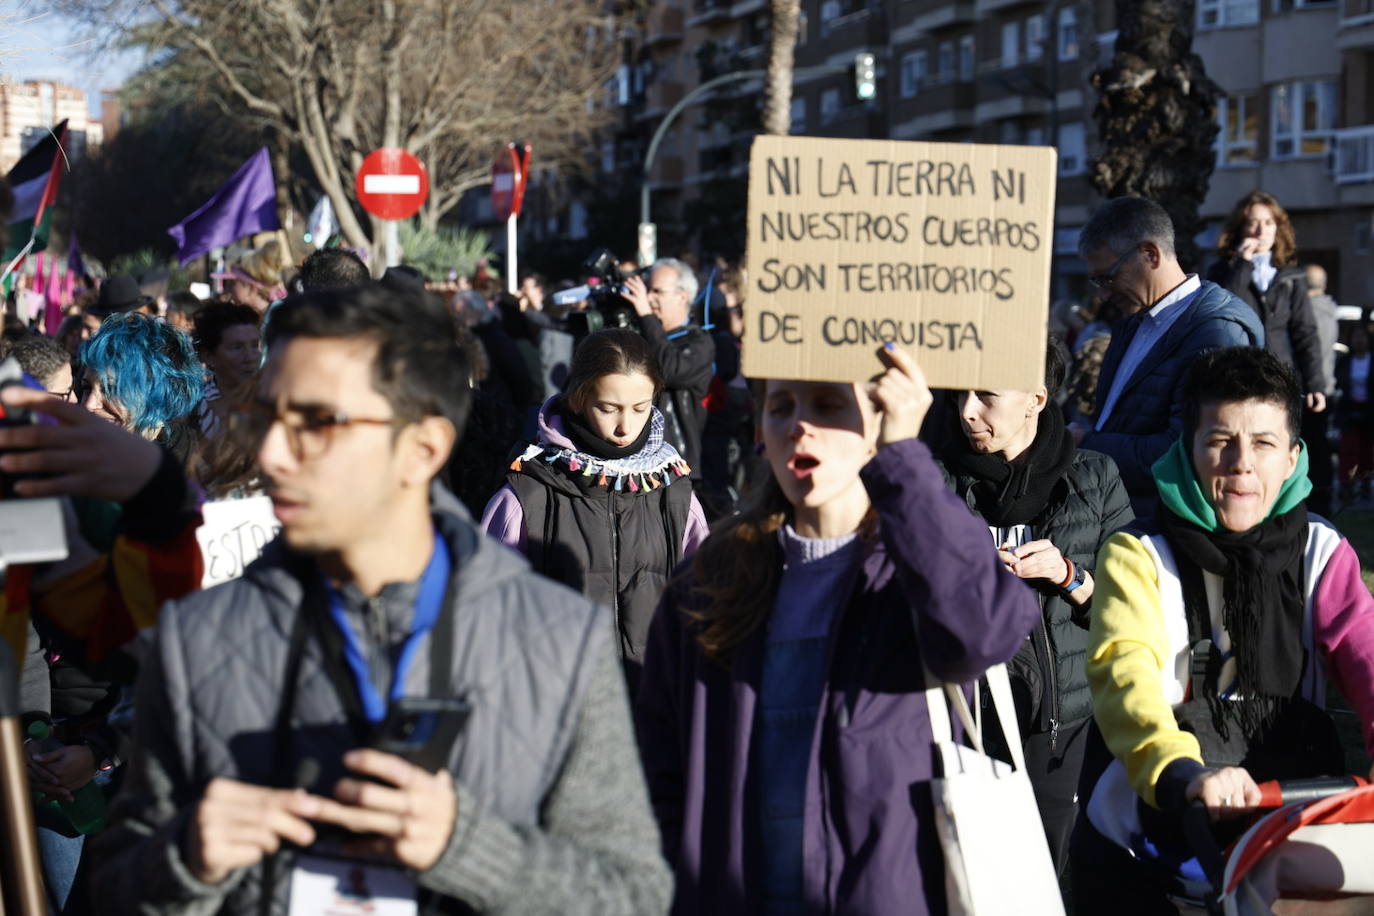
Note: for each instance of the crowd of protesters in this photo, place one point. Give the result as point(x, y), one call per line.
point(679, 624)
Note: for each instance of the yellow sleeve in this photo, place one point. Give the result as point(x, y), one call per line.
point(1128, 648)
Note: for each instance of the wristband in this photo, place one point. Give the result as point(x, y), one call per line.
point(1068, 580)
point(1080, 576)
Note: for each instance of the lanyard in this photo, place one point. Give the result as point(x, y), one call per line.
point(429, 604)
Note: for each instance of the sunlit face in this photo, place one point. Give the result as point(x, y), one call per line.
point(236, 358)
point(1001, 421)
point(816, 437)
point(96, 402)
point(1242, 453)
point(619, 406)
point(337, 496)
point(1261, 226)
point(60, 383)
point(1129, 286)
point(667, 298)
point(246, 293)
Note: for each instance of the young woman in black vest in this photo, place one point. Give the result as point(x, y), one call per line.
point(601, 502)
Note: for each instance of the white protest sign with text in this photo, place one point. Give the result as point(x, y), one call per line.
point(943, 248)
point(232, 535)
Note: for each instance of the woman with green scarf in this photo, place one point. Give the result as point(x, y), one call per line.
point(1215, 629)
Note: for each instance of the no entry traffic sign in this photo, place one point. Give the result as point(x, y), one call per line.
point(509, 176)
point(392, 184)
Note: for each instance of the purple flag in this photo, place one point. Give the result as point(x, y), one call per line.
point(247, 204)
point(75, 264)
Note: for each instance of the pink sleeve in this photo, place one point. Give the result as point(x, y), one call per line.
point(1343, 629)
point(504, 519)
point(697, 529)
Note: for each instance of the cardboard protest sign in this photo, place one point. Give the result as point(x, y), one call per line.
point(943, 248)
point(232, 535)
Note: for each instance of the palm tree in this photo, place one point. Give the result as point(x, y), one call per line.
point(782, 43)
point(1156, 116)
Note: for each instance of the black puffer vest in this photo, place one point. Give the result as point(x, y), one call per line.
point(616, 547)
point(1088, 504)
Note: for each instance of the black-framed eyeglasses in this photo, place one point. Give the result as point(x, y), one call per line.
point(1104, 281)
point(308, 432)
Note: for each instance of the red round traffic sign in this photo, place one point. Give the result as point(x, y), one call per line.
point(391, 183)
point(509, 174)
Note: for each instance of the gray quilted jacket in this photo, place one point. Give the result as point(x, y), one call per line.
point(553, 816)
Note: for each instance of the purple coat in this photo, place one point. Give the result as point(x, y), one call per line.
point(932, 589)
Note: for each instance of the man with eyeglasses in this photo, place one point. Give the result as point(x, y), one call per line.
point(686, 354)
point(254, 788)
point(1172, 317)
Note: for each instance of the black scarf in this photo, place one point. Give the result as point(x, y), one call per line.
point(1264, 600)
point(588, 440)
point(1014, 493)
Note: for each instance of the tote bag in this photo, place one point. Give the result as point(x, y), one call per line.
point(996, 858)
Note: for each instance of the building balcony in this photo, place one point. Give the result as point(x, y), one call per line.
point(668, 172)
point(708, 12)
point(1354, 160)
point(665, 27)
point(658, 98)
point(1357, 12)
point(747, 7)
point(991, 6)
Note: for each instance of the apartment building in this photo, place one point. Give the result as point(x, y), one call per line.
point(29, 109)
point(1298, 121)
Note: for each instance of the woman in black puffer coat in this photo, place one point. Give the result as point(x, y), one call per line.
point(1049, 507)
point(1259, 264)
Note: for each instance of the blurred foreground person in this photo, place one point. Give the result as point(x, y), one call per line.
point(782, 713)
point(259, 697)
point(601, 502)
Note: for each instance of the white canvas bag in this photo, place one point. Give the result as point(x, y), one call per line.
point(996, 858)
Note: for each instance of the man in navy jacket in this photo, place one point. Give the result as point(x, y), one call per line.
point(1173, 316)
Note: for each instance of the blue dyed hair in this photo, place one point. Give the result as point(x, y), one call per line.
point(146, 367)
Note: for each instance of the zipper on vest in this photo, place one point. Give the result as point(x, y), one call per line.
point(1050, 666)
point(615, 568)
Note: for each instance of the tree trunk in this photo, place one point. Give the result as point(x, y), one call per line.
point(1156, 115)
point(782, 44)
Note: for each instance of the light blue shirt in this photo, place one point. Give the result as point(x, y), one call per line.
point(1264, 271)
point(1153, 326)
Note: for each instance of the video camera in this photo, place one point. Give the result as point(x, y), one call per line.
point(607, 306)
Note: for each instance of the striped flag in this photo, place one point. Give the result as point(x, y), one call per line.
point(34, 180)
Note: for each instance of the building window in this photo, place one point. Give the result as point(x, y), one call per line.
point(1073, 154)
point(1009, 133)
point(1302, 116)
point(945, 62)
point(1011, 36)
point(1068, 34)
point(1217, 14)
point(1238, 142)
point(913, 73)
point(1035, 37)
point(966, 59)
point(830, 105)
point(799, 115)
point(830, 11)
point(1035, 136)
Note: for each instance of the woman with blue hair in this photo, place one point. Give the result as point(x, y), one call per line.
point(142, 374)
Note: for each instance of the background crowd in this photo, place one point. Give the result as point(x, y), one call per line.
point(763, 547)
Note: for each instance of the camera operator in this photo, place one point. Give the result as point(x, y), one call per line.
point(685, 352)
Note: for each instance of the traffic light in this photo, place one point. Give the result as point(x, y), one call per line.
point(865, 76)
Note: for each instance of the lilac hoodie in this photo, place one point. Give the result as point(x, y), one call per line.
point(931, 589)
